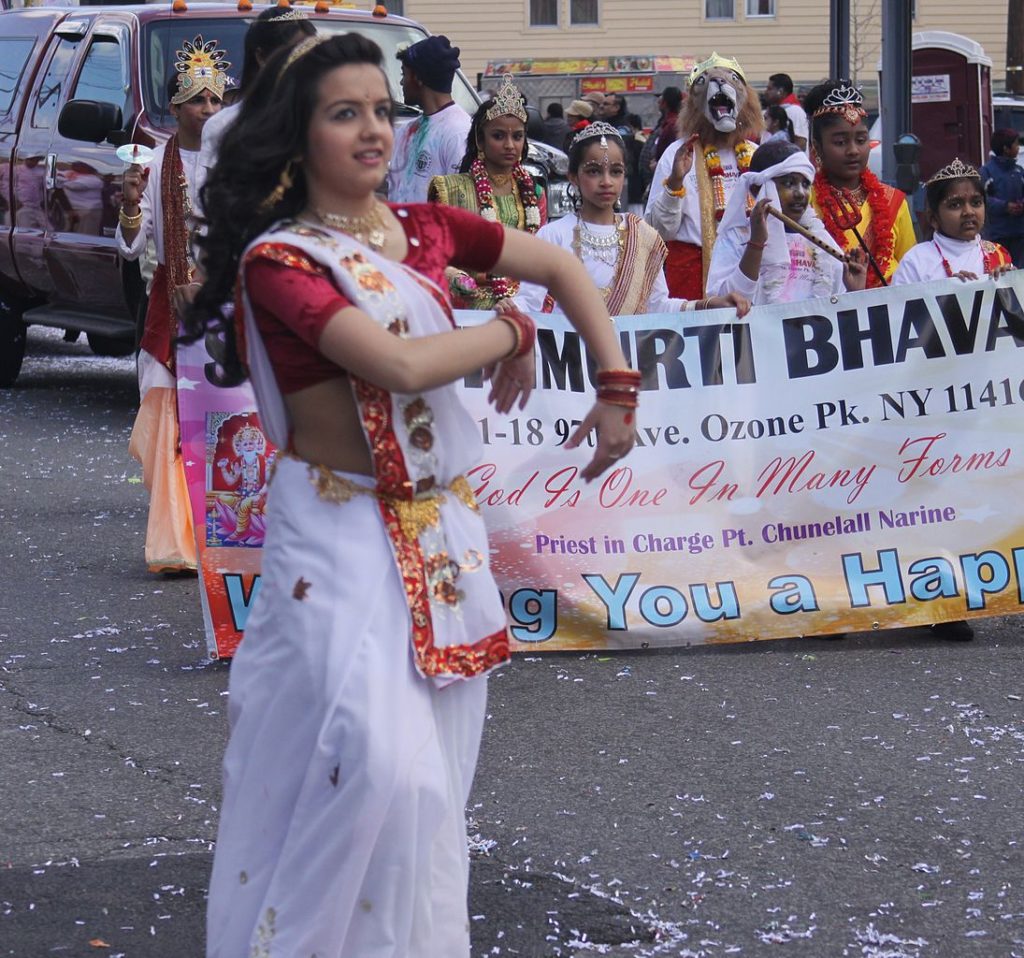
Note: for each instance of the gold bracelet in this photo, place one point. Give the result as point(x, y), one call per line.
point(128, 221)
point(681, 192)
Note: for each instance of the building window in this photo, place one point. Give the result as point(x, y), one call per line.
point(584, 12)
point(544, 13)
point(397, 7)
point(719, 9)
point(760, 8)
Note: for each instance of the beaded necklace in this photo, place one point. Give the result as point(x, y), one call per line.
point(606, 249)
point(501, 286)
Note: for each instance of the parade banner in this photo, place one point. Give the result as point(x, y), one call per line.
point(812, 468)
point(227, 463)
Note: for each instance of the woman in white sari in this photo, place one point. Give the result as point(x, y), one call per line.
point(358, 694)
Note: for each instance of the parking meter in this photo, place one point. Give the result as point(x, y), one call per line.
point(907, 150)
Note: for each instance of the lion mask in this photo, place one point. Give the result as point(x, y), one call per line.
point(722, 108)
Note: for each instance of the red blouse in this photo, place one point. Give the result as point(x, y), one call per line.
point(293, 297)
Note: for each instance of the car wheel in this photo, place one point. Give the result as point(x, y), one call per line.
point(12, 345)
point(110, 345)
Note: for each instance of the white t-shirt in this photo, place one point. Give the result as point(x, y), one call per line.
point(798, 117)
point(923, 263)
point(429, 146)
point(810, 273)
point(530, 298)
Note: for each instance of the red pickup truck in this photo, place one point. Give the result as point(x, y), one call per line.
point(75, 83)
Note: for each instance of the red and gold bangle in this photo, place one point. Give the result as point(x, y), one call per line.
point(618, 377)
point(627, 401)
point(524, 329)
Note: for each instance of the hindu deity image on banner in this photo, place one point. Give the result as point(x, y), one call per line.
point(238, 461)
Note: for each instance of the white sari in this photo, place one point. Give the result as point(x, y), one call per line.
point(357, 696)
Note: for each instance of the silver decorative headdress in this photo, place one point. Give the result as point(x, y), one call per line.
point(507, 102)
point(846, 101)
point(292, 14)
point(957, 170)
point(595, 129)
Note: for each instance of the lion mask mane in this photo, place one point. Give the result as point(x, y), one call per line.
point(722, 109)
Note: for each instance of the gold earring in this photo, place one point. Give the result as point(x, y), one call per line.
point(284, 184)
point(479, 153)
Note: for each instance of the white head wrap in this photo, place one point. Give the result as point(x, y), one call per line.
point(776, 253)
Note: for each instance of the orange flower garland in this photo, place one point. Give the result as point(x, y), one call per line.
point(837, 213)
point(713, 161)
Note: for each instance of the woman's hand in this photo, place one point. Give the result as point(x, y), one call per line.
point(855, 272)
point(616, 433)
point(1002, 270)
point(133, 185)
point(682, 163)
point(738, 300)
point(512, 379)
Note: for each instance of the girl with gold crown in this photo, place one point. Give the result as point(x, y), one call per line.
point(623, 255)
point(358, 695)
point(158, 204)
point(956, 211)
point(858, 210)
point(493, 183)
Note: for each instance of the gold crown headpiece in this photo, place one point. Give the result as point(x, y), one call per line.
point(596, 129)
point(713, 61)
point(507, 102)
point(252, 433)
point(201, 66)
point(846, 101)
point(957, 170)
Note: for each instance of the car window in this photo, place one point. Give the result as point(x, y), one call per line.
point(104, 75)
point(1010, 116)
point(48, 99)
point(161, 40)
point(14, 54)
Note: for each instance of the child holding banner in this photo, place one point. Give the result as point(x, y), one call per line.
point(768, 260)
point(358, 693)
point(956, 210)
point(624, 256)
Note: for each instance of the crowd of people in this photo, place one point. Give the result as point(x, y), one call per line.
point(357, 698)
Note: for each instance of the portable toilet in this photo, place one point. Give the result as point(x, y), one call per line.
point(951, 99)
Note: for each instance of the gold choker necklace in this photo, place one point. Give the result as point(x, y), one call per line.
point(370, 228)
point(500, 180)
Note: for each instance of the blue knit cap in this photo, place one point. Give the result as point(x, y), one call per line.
point(433, 61)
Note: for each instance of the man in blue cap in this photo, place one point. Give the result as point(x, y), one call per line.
point(433, 144)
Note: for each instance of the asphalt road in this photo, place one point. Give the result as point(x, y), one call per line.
point(798, 797)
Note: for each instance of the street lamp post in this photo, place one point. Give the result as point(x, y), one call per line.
point(839, 39)
point(895, 99)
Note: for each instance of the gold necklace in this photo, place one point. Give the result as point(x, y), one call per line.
point(370, 228)
point(500, 180)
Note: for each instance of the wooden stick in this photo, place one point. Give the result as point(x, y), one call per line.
point(806, 234)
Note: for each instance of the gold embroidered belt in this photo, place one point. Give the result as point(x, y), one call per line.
point(415, 515)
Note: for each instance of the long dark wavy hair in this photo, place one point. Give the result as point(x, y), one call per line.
point(265, 37)
point(271, 131)
point(476, 135)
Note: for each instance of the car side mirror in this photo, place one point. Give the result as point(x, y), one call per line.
point(89, 120)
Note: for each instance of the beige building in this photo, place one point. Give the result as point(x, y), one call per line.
point(766, 36)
